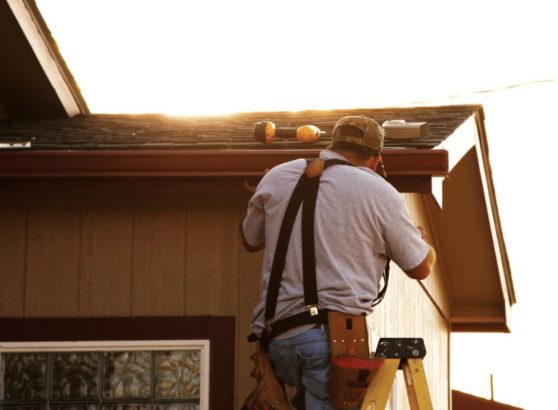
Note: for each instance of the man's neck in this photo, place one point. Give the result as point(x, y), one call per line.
point(354, 159)
point(351, 157)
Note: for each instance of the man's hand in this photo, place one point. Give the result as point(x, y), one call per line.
point(249, 188)
point(425, 267)
point(423, 233)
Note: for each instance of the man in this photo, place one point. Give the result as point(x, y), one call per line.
point(360, 221)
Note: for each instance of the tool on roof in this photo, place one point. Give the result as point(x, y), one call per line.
point(403, 130)
point(266, 132)
point(15, 144)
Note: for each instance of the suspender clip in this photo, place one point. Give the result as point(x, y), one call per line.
point(268, 326)
point(312, 309)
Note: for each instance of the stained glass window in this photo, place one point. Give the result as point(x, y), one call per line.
point(103, 380)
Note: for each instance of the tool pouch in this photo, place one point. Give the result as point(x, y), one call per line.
point(269, 393)
point(352, 368)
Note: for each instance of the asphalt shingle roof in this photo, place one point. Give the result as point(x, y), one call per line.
point(132, 132)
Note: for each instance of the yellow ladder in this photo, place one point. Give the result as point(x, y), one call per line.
point(404, 354)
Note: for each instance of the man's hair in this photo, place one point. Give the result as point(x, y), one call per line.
point(360, 151)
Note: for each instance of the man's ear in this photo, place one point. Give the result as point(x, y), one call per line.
point(373, 162)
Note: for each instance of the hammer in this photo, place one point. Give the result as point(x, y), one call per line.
point(265, 131)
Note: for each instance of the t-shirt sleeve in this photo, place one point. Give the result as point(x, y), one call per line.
point(253, 225)
point(404, 242)
point(274, 185)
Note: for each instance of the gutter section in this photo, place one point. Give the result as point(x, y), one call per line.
point(131, 163)
point(408, 170)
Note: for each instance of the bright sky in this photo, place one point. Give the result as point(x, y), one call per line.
point(208, 56)
point(203, 57)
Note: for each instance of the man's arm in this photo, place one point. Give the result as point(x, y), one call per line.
point(245, 243)
point(423, 269)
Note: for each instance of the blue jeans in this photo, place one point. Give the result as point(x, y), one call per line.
point(303, 361)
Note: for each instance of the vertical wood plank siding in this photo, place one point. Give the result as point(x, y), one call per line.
point(13, 241)
point(106, 262)
point(158, 261)
point(176, 255)
point(213, 258)
point(53, 262)
point(407, 312)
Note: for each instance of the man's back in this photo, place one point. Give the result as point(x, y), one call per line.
point(359, 218)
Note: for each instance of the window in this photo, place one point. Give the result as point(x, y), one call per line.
point(124, 375)
point(155, 333)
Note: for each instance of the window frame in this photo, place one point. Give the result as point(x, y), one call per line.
point(118, 346)
point(219, 331)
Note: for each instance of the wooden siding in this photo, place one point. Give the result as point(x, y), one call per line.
point(407, 311)
point(13, 238)
point(419, 309)
point(53, 262)
point(175, 254)
point(4, 114)
point(106, 262)
point(159, 278)
point(435, 285)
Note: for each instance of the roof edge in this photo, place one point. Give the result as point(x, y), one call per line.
point(46, 50)
point(408, 170)
point(464, 400)
point(492, 202)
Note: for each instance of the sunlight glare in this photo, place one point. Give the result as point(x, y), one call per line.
point(134, 56)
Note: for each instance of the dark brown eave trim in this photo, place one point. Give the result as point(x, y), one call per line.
point(193, 162)
point(408, 170)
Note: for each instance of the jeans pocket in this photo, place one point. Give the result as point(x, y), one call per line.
point(286, 367)
point(314, 349)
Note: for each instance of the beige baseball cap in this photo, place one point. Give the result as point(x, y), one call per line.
point(359, 130)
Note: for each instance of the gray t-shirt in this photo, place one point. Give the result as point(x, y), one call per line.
point(360, 221)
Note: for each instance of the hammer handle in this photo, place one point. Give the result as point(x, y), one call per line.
point(285, 132)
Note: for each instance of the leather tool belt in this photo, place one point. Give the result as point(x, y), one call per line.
point(352, 368)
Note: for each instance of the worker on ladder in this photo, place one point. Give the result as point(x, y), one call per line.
point(328, 227)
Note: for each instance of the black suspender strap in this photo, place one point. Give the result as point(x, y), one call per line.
point(282, 246)
point(305, 193)
point(308, 248)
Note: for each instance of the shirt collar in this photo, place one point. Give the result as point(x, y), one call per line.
point(329, 154)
